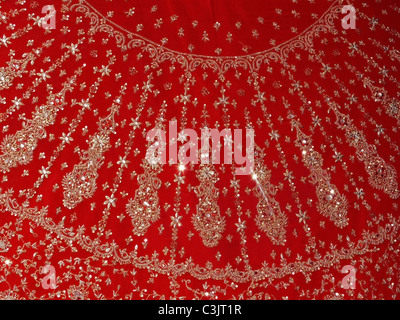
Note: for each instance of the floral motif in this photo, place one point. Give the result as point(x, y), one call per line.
point(208, 220)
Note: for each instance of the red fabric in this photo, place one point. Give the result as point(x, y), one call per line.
point(324, 105)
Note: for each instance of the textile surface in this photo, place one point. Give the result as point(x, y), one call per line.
point(85, 215)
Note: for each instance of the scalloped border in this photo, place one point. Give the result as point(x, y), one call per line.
point(220, 64)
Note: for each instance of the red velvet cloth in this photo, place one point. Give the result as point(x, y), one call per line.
point(78, 194)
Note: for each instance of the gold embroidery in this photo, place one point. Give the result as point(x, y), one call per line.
point(250, 62)
point(382, 176)
point(270, 219)
point(18, 149)
point(81, 182)
point(107, 262)
point(16, 68)
point(144, 209)
point(208, 220)
point(331, 203)
point(379, 94)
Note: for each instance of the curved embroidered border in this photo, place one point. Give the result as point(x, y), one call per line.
point(252, 62)
point(221, 64)
point(106, 250)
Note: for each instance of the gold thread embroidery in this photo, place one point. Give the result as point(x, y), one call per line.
point(81, 182)
point(208, 220)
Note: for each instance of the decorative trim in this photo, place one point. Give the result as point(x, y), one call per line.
point(190, 62)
